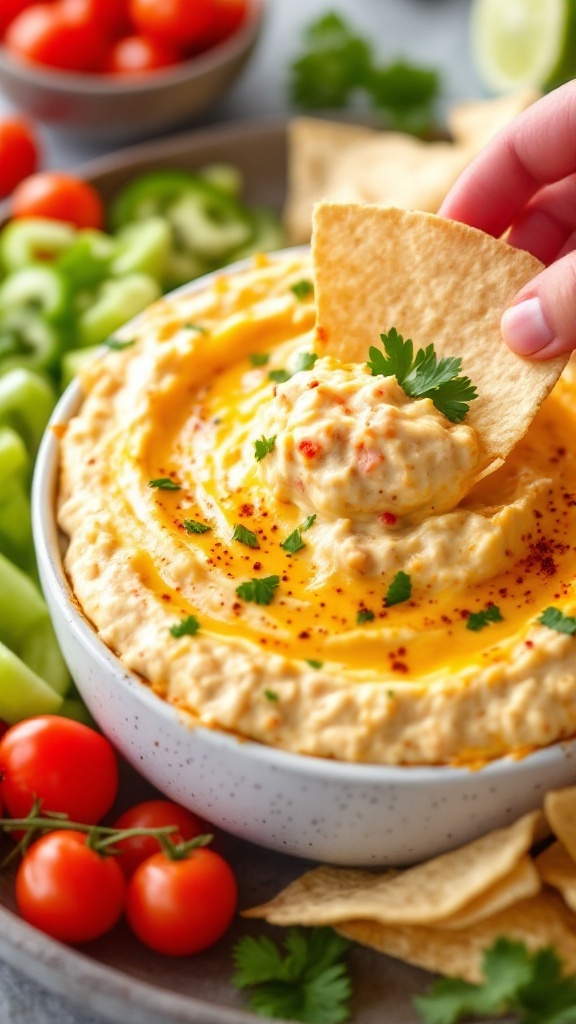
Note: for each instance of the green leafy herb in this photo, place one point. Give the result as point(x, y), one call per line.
point(187, 627)
point(529, 985)
point(313, 663)
point(195, 327)
point(399, 590)
point(478, 620)
point(279, 376)
point(245, 536)
point(424, 375)
point(555, 619)
point(271, 695)
point(293, 542)
point(302, 289)
point(364, 615)
point(164, 483)
point(116, 345)
point(263, 447)
point(259, 358)
point(193, 526)
point(259, 591)
point(309, 982)
point(308, 522)
point(405, 94)
point(304, 361)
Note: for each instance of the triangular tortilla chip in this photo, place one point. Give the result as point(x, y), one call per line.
point(560, 811)
point(437, 282)
point(520, 884)
point(557, 868)
point(474, 122)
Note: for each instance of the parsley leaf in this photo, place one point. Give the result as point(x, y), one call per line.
point(399, 590)
point(259, 591)
point(555, 619)
point(304, 361)
point(424, 375)
point(271, 695)
point(313, 663)
point(364, 615)
point(116, 345)
point(187, 627)
point(293, 542)
point(259, 358)
point(308, 522)
point(302, 289)
point(193, 526)
point(335, 63)
point(164, 483)
point(516, 981)
point(279, 376)
point(309, 983)
point(406, 95)
point(263, 447)
point(478, 620)
point(245, 536)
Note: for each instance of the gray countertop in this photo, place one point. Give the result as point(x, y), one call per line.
point(433, 32)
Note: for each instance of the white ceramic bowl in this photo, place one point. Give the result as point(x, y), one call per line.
point(310, 807)
point(122, 107)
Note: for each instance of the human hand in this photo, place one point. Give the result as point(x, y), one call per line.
point(524, 180)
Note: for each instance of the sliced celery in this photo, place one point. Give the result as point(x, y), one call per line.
point(22, 606)
point(226, 177)
point(210, 226)
point(14, 459)
point(74, 361)
point(26, 403)
point(33, 239)
point(40, 651)
point(16, 526)
point(143, 247)
point(118, 301)
point(23, 693)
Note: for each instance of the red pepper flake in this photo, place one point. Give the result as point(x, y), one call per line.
point(166, 597)
point(321, 333)
point(257, 566)
point(314, 384)
point(529, 643)
point(399, 666)
point(304, 635)
point(387, 519)
point(310, 449)
point(246, 510)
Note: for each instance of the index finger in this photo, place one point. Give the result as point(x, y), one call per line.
point(536, 149)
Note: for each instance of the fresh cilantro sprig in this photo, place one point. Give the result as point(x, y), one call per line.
point(259, 591)
point(302, 289)
point(303, 361)
point(555, 619)
point(309, 983)
point(364, 615)
point(195, 526)
point(263, 447)
point(529, 985)
point(424, 375)
point(164, 483)
point(294, 542)
point(259, 358)
point(479, 620)
point(245, 536)
point(187, 627)
point(399, 590)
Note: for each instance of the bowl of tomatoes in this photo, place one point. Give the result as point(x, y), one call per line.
point(119, 68)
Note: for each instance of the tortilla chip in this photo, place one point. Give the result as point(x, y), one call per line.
point(424, 894)
point(474, 122)
point(437, 282)
point(520, 884)
point(538, 922)
point(557, 868)
point(560, 811)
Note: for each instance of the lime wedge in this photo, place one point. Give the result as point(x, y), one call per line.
point(520, 43)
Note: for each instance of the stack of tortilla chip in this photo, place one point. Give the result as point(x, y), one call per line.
point(442, 914)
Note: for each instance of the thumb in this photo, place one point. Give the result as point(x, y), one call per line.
point(541, 322)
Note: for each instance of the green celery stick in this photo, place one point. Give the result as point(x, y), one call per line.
point(118, 301)
point(40, 651)
point(22, 606)
point(14, 458)
point(22, 693)
point(74, 361)
point(26, 403)
point(16, 526)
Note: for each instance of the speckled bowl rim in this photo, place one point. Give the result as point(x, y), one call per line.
point(47, 539)
point(111, 85)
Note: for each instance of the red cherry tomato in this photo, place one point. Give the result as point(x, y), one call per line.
point(180, 907)
point(9, 9)
point(180, 22)
point(136, 55)
point(153, 814)
point(18, 153)
point(109, 17)
point(229, 16)
point(58, 197)
point(68, 890)
point(68, 766)
point(57, 36)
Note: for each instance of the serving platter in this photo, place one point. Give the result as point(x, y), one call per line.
point(116, 977)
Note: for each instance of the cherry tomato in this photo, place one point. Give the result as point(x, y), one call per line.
point(106, 16)
point(180, 22)
point(153, 814)
point(135, 55)
point(59, 197)
point(229, 16)
point(57, 36)
point(67, 765)
point(180, 907)
point(9, 9)
point(18, 153)
point(68, 890)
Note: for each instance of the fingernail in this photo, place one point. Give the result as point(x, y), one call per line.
point(524, 327)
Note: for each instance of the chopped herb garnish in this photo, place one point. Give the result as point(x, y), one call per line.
point(309, 982)
point(271, 695)
point(117, 345)
point(364, 615)
point(259, 358)
point(424, 375)
point(195, 327)
point(390, 694)
point(245, 536)
point(313, 663)
point(263, 447)
point(478, 620)
point(279, 376)
point(305, 361)
point(302, 289)
point(193, 526)
point(259, 591)
point(293, 543)
point(399, 590)
point(164, 483)
point(308, 522)
point(187, 627)
point(555, 619)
